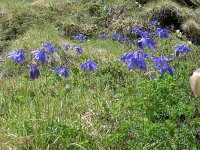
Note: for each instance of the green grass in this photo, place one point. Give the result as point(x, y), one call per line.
point(111, 108)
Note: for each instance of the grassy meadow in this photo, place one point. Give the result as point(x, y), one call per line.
point(111, 108)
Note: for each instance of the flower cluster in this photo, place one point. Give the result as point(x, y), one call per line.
point(43, 55)
point(134, 60)
point(137, 59)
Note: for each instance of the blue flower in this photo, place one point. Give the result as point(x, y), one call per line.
point(11, 54)
point(162, 33)
point(89, 66)
point(150, 27)
point(50, 47)
point(80, 37)
point(117, 36)
point(162, 64)
point(18, 56)
point(34, 72)
point(136, 60)
point(140, 53)
point(66, 47)
point(40, 56)
point(102, 36)
point(138, 31)
point(181, 49)
point(146, 41)
point(62, 71)
point(78, 49)
point(137, 63)
point(127, 57)
point(154, 22)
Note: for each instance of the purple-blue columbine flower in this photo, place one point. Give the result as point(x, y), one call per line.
point(80, 37)
point(136, 60)
point(102, 36)
point(162, 64)
point(34, 71)
point(181, 49)
point(89, 66)
point(139, 53)
point(40, 56)
point(154, 22)
point(150, 27)
point(138, 31)
point(145, 41)
point(117, 36)
point(127, 57)
point(162, 33)
point(78, 49)
point(50, 48)
point(18, 56)
point(62, 71)
point(66, 47)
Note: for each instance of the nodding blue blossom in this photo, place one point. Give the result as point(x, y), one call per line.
point(150, 27)
point(181, 49)
point(89, 66)
point(102, 36)
point(138, 31)
point(117, 36)
point(40, 56)
point(34, 71)
point(136, 60)
point(145, 41)
point(50, 48)
point(127, 57)
point(18, 56)
point(162, 33)
point(80, 37)
point(78, 49)
point(162, 64)
point(62, 71)
point(66, 47)
point(154, 22)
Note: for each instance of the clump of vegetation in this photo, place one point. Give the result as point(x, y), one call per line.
point(192, 30)
point(124, 25)
point(73, 29)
